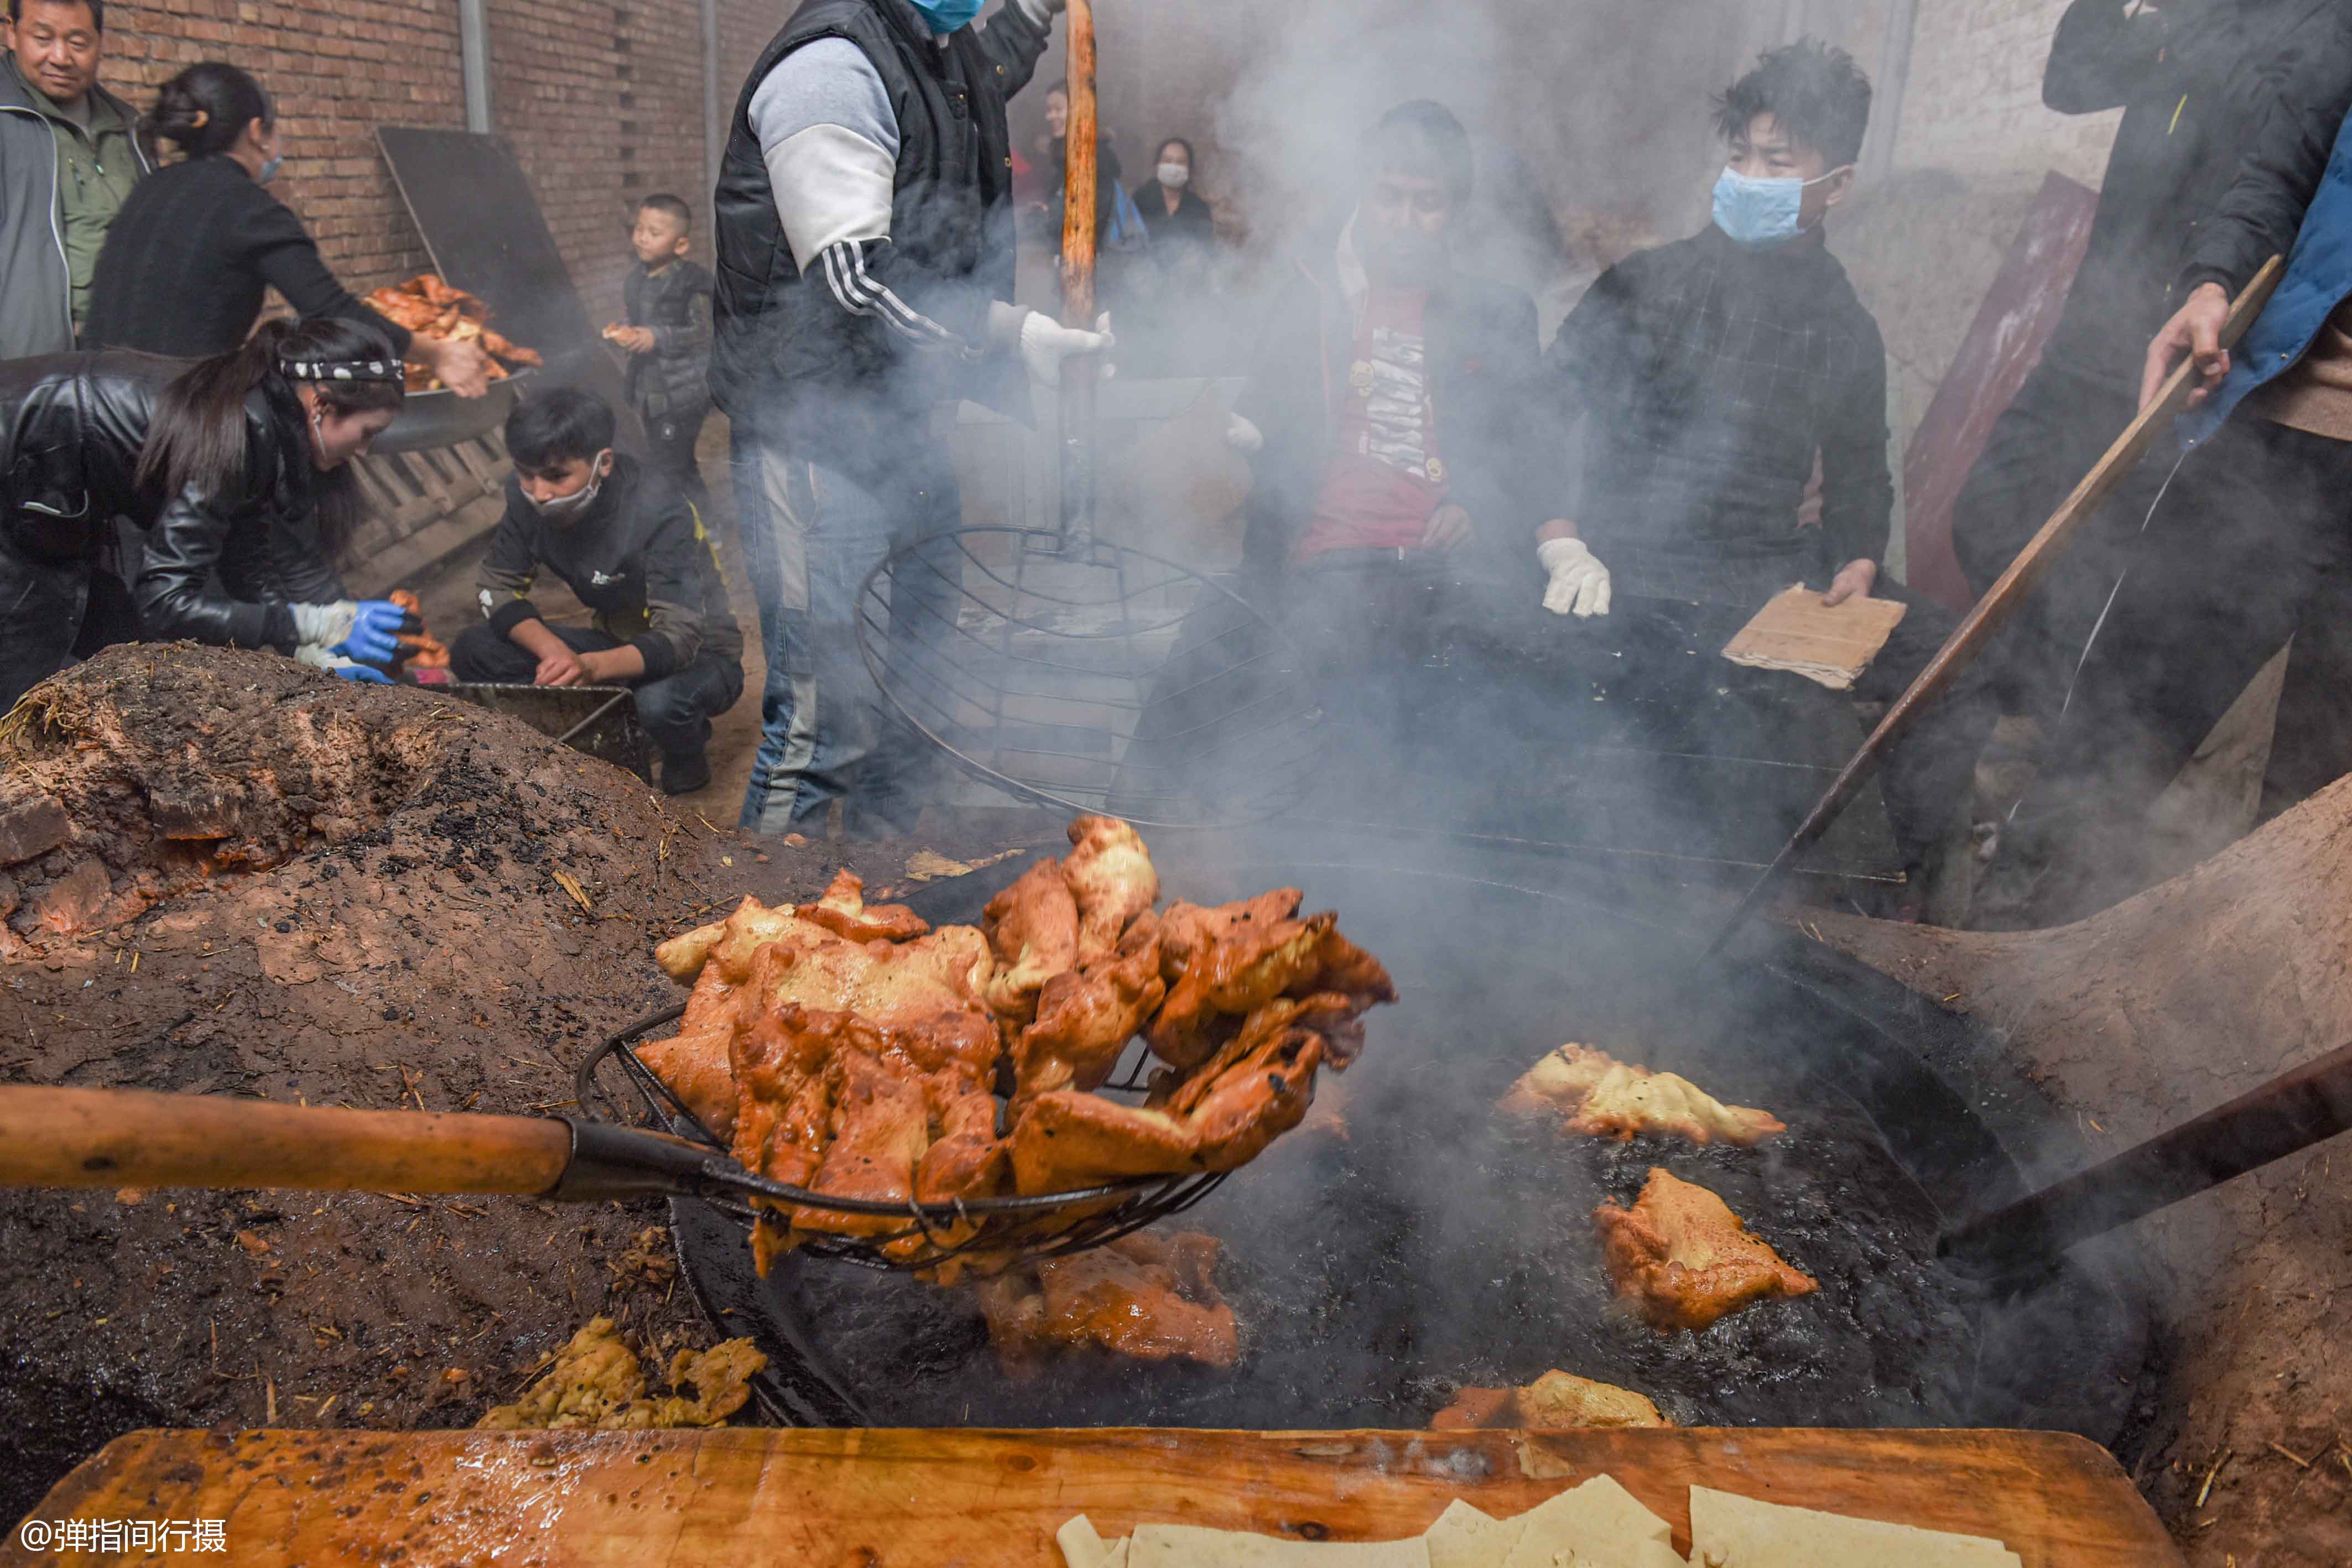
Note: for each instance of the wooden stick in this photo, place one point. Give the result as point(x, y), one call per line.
point(116, 1138)
point(2285, 1117)
point(1079, 218)
point(2004, 598)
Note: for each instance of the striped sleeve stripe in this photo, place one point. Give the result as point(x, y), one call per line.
point(861, 295)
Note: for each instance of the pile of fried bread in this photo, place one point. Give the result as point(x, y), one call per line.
point(1598, 1524)
point(853, 1051)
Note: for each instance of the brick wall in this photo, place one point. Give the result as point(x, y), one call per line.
point(603, 104)
point(338, 71)
point(602, 101)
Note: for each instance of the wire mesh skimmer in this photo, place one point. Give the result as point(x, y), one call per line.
point(902, 1236)
point(1087, 675)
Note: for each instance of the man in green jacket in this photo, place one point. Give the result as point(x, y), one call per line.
point(68, 159)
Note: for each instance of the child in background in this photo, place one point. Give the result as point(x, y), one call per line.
point(668, 340)
point(633, 551)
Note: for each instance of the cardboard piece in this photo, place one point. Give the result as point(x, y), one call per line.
point(1828, 644)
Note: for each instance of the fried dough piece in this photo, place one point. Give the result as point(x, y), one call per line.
point(880, 1129)
point(1555, 1401)
point(783, 1112)
point(1603, 1097)
point(694, 1064)
point(1142, 1296)
point(845, 912)
point(1683, 1259)
point(1032, 931)
point(886, 983)
point(1237, 961)
point(1086, 1016)
point(1112, 879)
point(735, 941)
point(1189, 927)
point(1066, 1141)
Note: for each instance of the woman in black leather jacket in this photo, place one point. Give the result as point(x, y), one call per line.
point(234, 466)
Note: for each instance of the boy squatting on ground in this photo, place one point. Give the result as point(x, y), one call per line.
point(635, 552)
point(668, 340)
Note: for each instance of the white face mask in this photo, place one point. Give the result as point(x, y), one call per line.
point(1175, 176)
point(564, 509)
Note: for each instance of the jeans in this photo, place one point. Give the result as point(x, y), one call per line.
point(675, 710)
point(2251, 546)
point(810, 536)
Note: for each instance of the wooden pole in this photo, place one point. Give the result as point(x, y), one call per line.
point(117, 1138)
point(2001, 600)
point(2282, 1117)
point(1079, 218)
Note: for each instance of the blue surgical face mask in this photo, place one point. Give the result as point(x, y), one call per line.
point(1761, 212)
point(270, 169)
point(946, 15)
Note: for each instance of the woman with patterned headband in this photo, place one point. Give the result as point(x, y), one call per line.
point(235, 469)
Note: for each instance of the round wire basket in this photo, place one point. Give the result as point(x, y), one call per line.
point(1091, 677)
point(613, 1081)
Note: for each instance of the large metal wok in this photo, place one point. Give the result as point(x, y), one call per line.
point(1427, 1248)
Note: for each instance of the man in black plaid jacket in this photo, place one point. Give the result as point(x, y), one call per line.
point(1717, 379)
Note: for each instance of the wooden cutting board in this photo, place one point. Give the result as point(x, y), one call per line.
point(757, 1498)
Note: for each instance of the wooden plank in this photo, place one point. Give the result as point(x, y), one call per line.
point(755, 1498)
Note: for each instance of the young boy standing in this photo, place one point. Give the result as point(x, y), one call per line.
point(1715, 378)
point(633, 550)
point(668, 340)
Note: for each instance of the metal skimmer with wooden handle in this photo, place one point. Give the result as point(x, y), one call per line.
point(120, 1139)
point(2002, 600)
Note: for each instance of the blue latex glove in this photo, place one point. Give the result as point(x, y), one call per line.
point(362, 672)
point(375, 625)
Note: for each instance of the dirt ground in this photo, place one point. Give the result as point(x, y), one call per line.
point(2171, 1003)
point(226, 874)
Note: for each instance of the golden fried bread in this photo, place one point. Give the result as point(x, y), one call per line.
point(1556, 1401)
point(694, 1062)
point(1141, 1297)
point(845, 912)
point(1601, 1097)
point(1111, 876)
point(1681, 1259)
point(1033, 930)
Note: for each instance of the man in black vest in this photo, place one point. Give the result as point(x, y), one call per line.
point(865, 268)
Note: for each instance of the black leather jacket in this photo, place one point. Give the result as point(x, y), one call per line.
point(75, 425)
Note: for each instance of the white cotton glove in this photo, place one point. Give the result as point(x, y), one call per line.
point(1243, 436)
point(1045, 343)
point(322, 626)
point(1580, 583)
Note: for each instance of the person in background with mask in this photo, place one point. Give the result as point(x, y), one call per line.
point(1712, 378)
point(67, 161)
point(1388, 405)
point(864, 275)
point(1178, 216)
point(633, 548)
point(189, 256)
